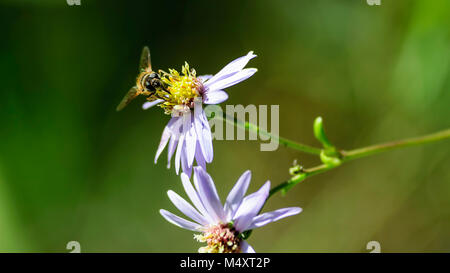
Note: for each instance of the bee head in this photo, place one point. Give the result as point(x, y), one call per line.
point(152, 82)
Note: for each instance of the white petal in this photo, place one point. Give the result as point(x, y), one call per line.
point(178, 221)
point(162, 144)
point(175, 125)
point(171, 149)
point(215, 97)
point(199, 157)
point(207, 138)
point(208, 194)
point(193, 195)
point(232, 79)
point(204, 78)
point(191, 142)
point(273, 216)
point(246, 248)
point(250, 207)
point(236, 194)
point(150, 104)
point(199, 130)
point(203, 135)
point(233, 67)
point(178, 153)
point(167, 133)
point(184, 162)
point(186, 208)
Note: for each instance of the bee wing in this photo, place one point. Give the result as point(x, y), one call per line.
point(145, 63)
point(132, 93)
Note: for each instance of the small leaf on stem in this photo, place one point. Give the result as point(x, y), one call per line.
point(319, 133)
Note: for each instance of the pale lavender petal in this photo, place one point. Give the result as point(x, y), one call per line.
point(169, 132)
point(207, 139)
point(171, 149)
point(199, 157)
point(203, 135)
point(208, 194)
point(175, 125)
point(184, 162)
point(178, 153)
point(203, 78)
point(193, 195)
point(268, 217)
point(191, 142)
point(215, 97)
point(250, 207)
point(199, 129)
point(162, 144)
point(246, 248)
point(186, 208)
point(150, 104)
point(233, 79)
point(233, 67)
point(178, 221)
point(236, 194)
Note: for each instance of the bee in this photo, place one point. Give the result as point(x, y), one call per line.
point(148, 82)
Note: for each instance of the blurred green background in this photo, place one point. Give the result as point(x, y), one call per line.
point(71, 168)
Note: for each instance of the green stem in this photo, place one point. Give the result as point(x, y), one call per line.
point(283, 141)
point(344, 155)
point(354, 154)
point(384, 147)
point(359, 153)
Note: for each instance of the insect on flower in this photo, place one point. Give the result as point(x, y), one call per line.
point(181, 95)
point(148, 83)
point(188, 132)
point(222, 227)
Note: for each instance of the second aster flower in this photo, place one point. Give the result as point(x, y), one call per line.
point(188, 132)
point(222, 227)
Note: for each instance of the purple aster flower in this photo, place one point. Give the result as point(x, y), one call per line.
point(222, 227)
point(188, 132)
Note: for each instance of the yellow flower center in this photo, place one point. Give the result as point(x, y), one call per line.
point(180, 90)
point(222, 238)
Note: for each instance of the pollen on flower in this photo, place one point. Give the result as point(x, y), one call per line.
point(222, 238)
point(180, 89)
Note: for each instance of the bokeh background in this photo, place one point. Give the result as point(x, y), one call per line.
point(72, 168)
